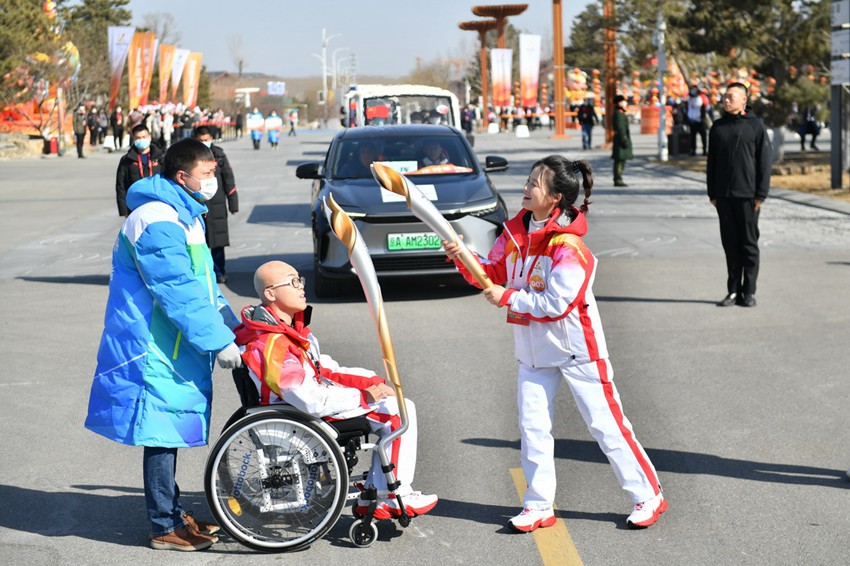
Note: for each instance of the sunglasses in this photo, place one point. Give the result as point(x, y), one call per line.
point(295, 282)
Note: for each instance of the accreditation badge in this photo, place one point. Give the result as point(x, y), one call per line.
point(517, 318)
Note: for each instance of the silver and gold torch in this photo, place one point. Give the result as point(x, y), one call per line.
point(344, 229)
point(424, 210)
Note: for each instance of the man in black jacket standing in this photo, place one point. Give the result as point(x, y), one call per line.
point(225, 199)
point(142, 160)
point(738, 179)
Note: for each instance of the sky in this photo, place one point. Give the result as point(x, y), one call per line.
point(283, 38)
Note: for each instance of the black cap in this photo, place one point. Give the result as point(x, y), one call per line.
point(619, 98)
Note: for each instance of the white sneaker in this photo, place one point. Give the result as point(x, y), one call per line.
point(647, 512)
point(530, 519)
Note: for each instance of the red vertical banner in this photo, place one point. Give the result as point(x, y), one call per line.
point(191, 78)
point(166, 62)
point(140, 61)
point(150, 61)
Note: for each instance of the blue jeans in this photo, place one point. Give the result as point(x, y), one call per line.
point(586, 129)
point(161, 492)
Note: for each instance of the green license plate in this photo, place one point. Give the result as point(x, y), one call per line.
point(413, 241)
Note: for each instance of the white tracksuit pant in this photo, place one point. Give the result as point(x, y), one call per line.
point(402, 451)
point(598, 402)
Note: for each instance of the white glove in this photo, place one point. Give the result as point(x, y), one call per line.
point(230, 357)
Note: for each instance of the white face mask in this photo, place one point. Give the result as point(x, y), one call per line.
point(209, 187)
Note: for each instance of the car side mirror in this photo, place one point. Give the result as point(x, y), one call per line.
point(495, 163)
point(309, 170)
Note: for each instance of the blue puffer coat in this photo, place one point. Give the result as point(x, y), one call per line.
point(165, 320)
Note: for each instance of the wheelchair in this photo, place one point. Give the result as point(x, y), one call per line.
point(278, 479)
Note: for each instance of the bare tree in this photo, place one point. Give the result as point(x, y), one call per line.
point(236, 51)
point(163, 26)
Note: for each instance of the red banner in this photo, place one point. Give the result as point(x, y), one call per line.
point(140, 67)
point(166, 62)
point(191, 77)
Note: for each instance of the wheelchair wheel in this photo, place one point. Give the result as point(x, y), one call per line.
point(361, 534)
point(276, 483)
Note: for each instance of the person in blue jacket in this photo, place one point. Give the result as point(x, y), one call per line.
point(166, 323)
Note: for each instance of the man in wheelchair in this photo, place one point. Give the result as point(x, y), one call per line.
point(286, 366)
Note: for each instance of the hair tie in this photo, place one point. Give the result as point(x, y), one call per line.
point(576, 168)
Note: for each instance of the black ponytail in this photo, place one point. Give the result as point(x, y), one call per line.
point(564, 177)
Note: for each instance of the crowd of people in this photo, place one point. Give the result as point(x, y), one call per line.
point(166, 123)
point(175, 189)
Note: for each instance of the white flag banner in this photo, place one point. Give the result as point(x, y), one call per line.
point(177, 70)
point(119, 46)
point(529, 68)
point(500, 71)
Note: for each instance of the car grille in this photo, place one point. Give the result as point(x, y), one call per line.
point(404, 219)
point(411, 263)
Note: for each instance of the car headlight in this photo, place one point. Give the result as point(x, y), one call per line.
point(481, 210)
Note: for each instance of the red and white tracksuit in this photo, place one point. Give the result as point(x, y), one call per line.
point(286, 366)
point(558, 334)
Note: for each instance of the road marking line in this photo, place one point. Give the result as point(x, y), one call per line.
point(554, 543)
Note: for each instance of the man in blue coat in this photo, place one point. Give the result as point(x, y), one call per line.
point(166, 322)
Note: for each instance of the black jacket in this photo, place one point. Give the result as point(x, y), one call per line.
point(225, 199)
point(586, 115)
point(739, 158)
point(130, 170)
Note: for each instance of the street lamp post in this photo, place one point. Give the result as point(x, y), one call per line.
point(333, 65)
point(324, 59)
point(610, 70)
point(662, 94)
point(558, 69)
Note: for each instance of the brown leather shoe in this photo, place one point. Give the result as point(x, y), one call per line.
point(202, 527)
point(181, 539)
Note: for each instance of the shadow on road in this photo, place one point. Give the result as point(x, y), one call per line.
point(606, 299)
point(498, 515)
point(280, 214)
point(115, 515)
point(72, 279)
point(678, 462)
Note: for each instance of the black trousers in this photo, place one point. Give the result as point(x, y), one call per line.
point(218, 260)
point(80, 138)
point(697, 128)
point(739, 234)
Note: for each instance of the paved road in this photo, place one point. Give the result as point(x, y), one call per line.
point(744, 411)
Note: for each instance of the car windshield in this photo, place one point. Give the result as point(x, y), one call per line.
point(408, 109)
point(411, 155)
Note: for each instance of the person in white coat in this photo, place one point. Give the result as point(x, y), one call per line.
point(547, 273)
